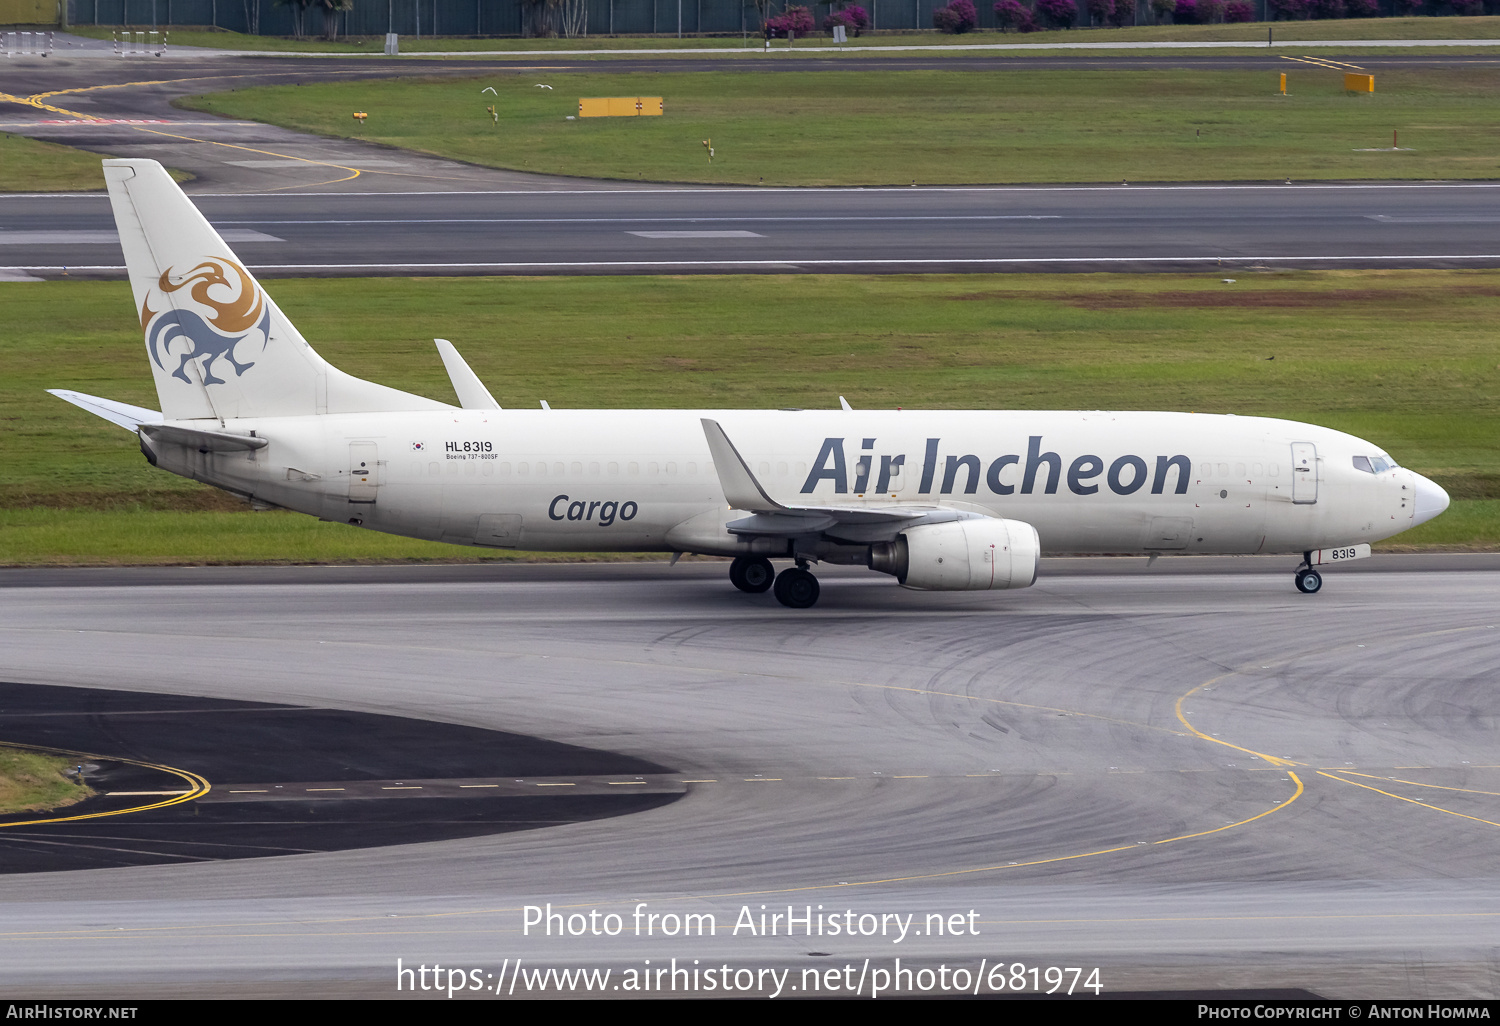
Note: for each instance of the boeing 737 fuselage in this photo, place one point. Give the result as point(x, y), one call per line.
point(940, 500)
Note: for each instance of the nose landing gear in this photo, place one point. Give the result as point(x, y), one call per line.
point(1309, 581)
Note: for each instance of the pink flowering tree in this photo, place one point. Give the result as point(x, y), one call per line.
point(1061, 13)
point(959, 16)
point(793, 23)
point(1013, 15)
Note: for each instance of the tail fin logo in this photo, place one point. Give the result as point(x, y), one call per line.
point(230, 309)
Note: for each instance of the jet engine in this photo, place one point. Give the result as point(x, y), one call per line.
point(981, 554)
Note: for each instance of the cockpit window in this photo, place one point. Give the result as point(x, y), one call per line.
point(1374, 464)
point(1363, 463)
point(1383, 463)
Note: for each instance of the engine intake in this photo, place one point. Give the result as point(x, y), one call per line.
point(982, 554)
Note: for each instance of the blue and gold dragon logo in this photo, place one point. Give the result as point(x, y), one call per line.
point(229, 321)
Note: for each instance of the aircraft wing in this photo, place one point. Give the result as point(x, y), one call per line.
point(853, 523)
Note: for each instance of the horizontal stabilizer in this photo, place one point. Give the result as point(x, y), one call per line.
point(126, 416)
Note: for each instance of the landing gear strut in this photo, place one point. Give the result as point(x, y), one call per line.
point(796, 588)
point(754, 574)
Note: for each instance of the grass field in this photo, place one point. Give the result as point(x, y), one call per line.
point(1406, 359)
point(1373, 29)
point(29, 165)
point(36, 781)
point(932, 127)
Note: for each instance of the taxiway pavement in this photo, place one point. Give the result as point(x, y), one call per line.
point(1188, 780)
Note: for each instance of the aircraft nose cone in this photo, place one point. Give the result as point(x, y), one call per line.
point(1431, 500)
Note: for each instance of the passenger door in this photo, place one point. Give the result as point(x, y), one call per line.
point(1304, 473)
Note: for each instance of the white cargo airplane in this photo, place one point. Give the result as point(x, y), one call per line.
point(940, 500)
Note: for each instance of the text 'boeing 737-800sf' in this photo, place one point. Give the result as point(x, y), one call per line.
point(940, 500)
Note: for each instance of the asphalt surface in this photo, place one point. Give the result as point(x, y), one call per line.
point(287, 780)
point(1235, 227)
point(1320, 817)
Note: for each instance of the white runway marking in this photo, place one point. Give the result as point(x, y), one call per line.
point(662, 220)
point(724, 234)
point(788, 263)
point(500, 268)
point(1434, 218)
point(64, 237)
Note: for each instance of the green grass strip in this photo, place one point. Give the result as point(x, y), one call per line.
point(928, 127)
point(33, 781)
point(30, 165)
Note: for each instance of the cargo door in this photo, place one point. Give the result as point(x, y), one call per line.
point(502, 530)
point(1168, 533)
point(364, 471)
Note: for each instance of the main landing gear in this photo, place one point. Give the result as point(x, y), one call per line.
point(754, 574)
point(1309, 581)
point(795, 587)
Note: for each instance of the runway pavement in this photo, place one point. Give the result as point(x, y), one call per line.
point(1191, 781)
point(583, 231)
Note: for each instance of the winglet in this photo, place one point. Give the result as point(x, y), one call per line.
point(844, 405)
point(472, 395)
point(741, 490)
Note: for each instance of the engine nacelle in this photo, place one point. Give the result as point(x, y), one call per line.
point(982, 554)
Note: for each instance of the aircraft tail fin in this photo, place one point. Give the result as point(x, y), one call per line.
point(219, 346)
